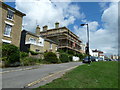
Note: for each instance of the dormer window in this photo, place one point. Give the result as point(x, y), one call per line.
point(10, 14)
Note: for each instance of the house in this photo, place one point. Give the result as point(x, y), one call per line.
point(11, 24)
point(114, 56)
point(98, 53)
point(65, 39)
point(33, 42)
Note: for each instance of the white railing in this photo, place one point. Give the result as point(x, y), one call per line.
point(34, 43)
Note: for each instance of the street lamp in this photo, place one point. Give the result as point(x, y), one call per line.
point(87, 47)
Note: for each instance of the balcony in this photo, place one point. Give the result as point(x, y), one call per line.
point(34, 43)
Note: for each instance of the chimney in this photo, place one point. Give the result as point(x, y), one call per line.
point(57, 25)
point(37, 30)
point(45, 28)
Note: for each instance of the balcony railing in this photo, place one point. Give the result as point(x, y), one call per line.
point(34, 43)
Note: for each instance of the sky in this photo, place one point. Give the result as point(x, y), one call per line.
point(102, 18)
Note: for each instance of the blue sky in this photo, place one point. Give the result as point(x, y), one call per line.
point(92, 10)
point(101, 17)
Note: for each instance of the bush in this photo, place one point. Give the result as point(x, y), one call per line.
point(10, 53)
point(34, 53)
point(80, 55)
point(70, 57)
point(70, 52)
point(64, 57)
point(51, 57)
point(60, 51)
point(23, 54)
point(29, 61)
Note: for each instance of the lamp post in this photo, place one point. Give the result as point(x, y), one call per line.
point(87, 47)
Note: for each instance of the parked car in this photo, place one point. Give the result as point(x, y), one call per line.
point(92, 59)
point(108, 59)
point(85, 60)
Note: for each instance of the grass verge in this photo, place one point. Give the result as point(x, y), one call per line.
point(97, 75)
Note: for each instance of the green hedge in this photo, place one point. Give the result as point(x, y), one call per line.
point(10, 53)
point(51, 57)
point(23, 54)
point(64, 57)
point(26, 61)
point(34, 53)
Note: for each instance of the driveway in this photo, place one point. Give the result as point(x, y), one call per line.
point(21, 77)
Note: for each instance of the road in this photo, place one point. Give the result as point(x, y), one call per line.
point(19, 78)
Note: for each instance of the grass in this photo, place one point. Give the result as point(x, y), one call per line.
point(97, 75)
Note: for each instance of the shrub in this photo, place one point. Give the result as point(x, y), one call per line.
point(71, 52)
point(34, 53)
point(64, 57)
point(70, 57)
point(10, 53)
point(23, 54)
point(60, 51)
point(29, 61)
point(51, 57)
point(80, 55)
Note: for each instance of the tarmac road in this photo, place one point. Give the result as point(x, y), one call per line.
point(20, 77)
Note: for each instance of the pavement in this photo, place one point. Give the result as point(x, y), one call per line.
point(34, 76)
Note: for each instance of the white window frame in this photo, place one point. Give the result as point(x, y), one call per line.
point(50, 45)
point(33, 39)
point(12, 12)
point(9, 23)
point(7, 29)
point(6, 41)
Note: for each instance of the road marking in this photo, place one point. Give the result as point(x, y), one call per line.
point(47, 77)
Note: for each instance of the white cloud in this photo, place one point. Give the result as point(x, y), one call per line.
point(45, 12)
point(103, 6)
point(105, 38)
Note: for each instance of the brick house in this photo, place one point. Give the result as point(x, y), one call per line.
point(33, 42)
point(11, 24)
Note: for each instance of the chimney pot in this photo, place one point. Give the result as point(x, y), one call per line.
point(57, 25)
point(45, 28)
point(37, 30)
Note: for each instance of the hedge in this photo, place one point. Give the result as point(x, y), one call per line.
point(51, 57)
point(64, 57)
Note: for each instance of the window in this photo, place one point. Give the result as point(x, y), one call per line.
point(8, 29)
point(56, 48)
point(50, 45)
point(10, 14)
point(37, 50)
point(32, 40)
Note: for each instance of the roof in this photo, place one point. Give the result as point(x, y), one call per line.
point(27, 32)
point(97, 51)
point(61, 28)
point(3, 4)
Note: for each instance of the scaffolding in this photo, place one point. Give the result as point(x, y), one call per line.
point(64, 38)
